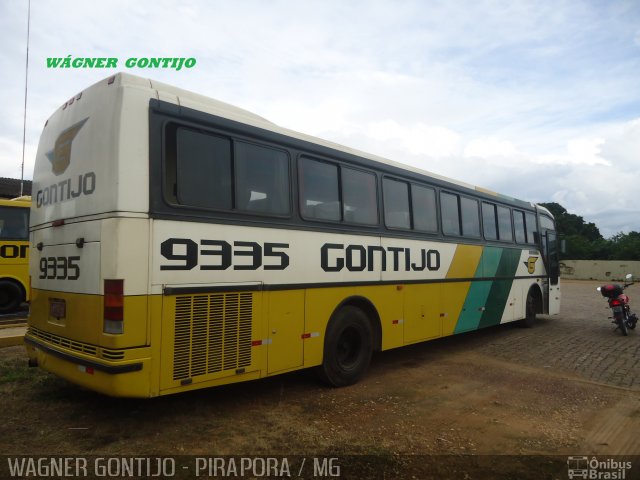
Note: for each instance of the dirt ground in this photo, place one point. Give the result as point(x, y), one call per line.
point(487, 404)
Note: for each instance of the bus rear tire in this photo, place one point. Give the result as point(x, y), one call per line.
point(11, 296)
point(348, 347)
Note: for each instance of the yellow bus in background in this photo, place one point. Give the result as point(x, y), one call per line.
point(180, 242)
point(14, 253)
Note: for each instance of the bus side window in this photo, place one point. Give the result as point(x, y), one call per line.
point(505, 230)
point(470, 217)
point(489, 221)
point(319, 196)
point(396, 203)
point(360, 197)
point(532, 229)
point(262, 179)
point(518, 223)
point(423, 202)
point(203, 170)
point(450, 214)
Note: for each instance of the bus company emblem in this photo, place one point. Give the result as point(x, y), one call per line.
point(60, 156)
point(531, 264)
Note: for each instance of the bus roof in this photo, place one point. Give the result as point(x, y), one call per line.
point(185, 98)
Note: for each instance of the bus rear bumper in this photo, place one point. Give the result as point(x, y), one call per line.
point(117, 379)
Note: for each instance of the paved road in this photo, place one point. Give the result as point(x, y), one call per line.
point(19, 317)
point(581, 340)
point(12, 328)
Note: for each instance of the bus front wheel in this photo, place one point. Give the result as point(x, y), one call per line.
point(11, 296)
point(348, 347)
point(531, 309)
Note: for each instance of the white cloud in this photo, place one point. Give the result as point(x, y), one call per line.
point(579, 151)
point(534, 100)
point(488, 147)
point(418, 139)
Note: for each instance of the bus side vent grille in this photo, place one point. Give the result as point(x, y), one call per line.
point(212, 334)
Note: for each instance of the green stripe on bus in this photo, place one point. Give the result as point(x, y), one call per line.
point(499, 292)
point(480, 291)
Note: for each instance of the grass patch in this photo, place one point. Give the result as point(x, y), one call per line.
point(15, 370)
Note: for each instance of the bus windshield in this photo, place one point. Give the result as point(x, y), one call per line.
point(14, 223)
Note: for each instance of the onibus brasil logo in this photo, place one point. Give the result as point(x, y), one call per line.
point(596, 469)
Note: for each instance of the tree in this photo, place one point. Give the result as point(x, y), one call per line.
point(584, 241)
point(625, 246)
point(570, 224)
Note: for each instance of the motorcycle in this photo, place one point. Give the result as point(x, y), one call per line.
point(619, 304)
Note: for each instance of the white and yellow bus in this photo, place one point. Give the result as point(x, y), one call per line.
point(14, 253)
point(179, 243)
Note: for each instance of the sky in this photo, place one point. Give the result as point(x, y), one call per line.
point(532, 99)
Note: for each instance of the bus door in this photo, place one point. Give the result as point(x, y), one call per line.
point(552, 262)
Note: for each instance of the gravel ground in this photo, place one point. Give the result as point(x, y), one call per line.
point(505, 402)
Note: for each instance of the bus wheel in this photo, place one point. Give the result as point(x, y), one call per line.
point(530, 311)
point(348, 347)
point(10, 296)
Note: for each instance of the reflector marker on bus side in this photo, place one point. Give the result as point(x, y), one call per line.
point(257, 343)
point(398, 322)
point(304, 336)
point(85, 369)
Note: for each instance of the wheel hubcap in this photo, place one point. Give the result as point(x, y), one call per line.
point(349, 347)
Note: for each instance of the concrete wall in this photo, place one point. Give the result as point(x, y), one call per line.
point(599, 269)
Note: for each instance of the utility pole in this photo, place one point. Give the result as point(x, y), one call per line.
point(24, 124)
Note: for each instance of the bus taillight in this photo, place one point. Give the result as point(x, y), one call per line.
point(114, 306)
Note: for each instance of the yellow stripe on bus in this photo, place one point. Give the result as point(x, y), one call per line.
point(464, 265)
